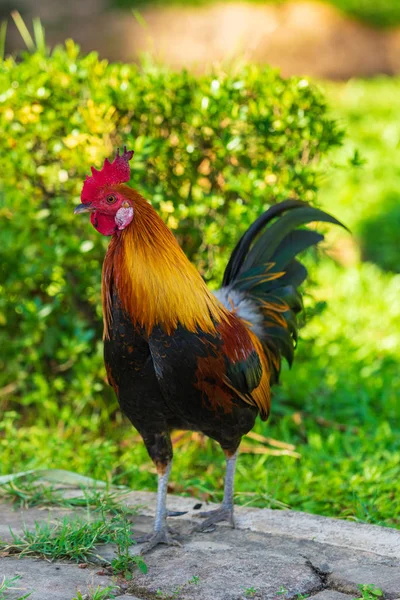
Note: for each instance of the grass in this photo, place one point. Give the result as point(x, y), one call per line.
point(106, 593)
point(385, 13)
point(99, 593)
point(78, 540)
point(68, 539)
point(27, 493)
point(7, 584)
point(337, 411)
point(108, 521)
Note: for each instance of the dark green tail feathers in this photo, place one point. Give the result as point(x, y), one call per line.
point(263, 266)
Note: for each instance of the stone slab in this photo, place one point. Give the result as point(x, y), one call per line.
point(386, 577)
point(294, 524)
point(49, 581)
point(227, 563)
point(268, 552)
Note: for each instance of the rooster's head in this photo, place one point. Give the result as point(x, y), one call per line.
point(103, 195)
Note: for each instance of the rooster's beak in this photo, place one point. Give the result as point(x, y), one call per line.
point(83, 208)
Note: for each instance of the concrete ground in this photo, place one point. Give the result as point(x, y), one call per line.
point(270, 555)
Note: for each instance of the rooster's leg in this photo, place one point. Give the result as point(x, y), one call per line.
point(161, 534)
point(225, 511)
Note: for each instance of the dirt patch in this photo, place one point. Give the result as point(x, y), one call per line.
point(302, 38)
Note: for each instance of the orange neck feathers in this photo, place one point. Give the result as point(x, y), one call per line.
point(154, 280)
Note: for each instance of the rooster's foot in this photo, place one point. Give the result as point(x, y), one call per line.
point(148, 536)
point(212, 517)
point(164, 536)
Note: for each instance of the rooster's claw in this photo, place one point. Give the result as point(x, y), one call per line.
point(212, 517)
point(158, 537)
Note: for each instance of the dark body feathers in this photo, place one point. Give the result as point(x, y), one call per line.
point(218, 381)
point(163, 382)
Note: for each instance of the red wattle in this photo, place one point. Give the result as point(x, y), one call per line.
point(104, 224)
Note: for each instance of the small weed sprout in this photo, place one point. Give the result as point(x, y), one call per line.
point(123, 563)
point(282, 591)
point(369, 591)
point(250, 592)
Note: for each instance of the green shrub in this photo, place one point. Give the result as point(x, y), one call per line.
point(385, 13)
point(211, 153)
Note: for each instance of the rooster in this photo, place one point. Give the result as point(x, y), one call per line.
point(179, 356)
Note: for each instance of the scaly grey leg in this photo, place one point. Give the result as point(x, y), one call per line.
point(225, 511)
point(161, 534)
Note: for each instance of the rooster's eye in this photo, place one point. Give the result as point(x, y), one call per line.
point(111, 198)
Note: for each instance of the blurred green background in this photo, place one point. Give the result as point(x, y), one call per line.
point(212, 150)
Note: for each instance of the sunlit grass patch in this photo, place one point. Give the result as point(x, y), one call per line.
point(78, 540)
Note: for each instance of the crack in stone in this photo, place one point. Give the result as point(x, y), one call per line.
point(322, 574)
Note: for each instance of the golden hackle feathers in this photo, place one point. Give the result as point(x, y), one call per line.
point(154, 280)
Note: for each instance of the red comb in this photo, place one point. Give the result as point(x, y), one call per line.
point(111, 174)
